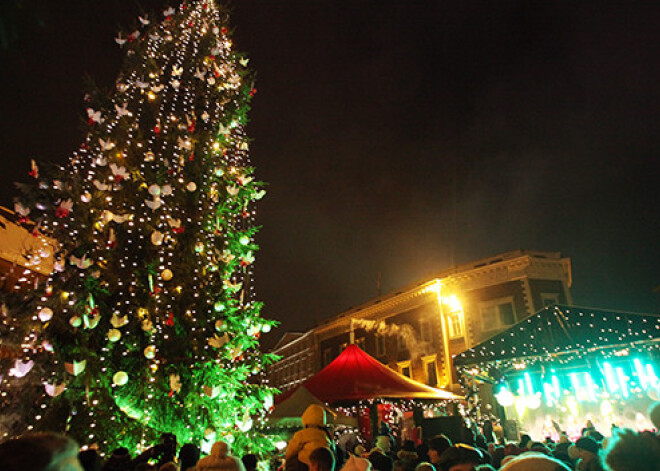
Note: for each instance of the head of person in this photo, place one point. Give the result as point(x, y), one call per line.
point(533, 461)
point(314, 416)
point(169, 466)
point(321, 459)
point(628, 450)
point(188, 456)
point(383, 443)
point(40, 452)
point(220, 459)
point(355, 463)
point(585, 448)
point(425, 466)
point(90, 460)
point(460, 457)
point(437, 446)
point(250, 461)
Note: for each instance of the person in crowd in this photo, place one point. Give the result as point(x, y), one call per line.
point(379, 458)
point(524, 440)
point(408, 455)
point(460, 457)
point(425, 466)
point(169, 466)
point(585, 451)
point(312, 436)
point(250, 462)
point(436, 447)
point(39, 452)
point(90, 460)
point(487, 430)
point(356, 463)
point(532, 461)
point(220, 460)
point(628, 450)
point(322, 459)
point(188, 457)
point(485, 467)
point(119, 460)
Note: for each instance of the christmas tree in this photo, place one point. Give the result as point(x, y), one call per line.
point(148, 323)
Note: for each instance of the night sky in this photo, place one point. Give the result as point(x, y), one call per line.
point(399, 137)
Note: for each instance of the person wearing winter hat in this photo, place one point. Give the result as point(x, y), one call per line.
point(313, 435)
point(39, 452)
point(188, 456)
point(533, 461)
point(355, 463)
point(585, 451)
point(437, 446)
point(379, 460)
point(220, 460)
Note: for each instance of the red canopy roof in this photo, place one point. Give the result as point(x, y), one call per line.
point(354, 375)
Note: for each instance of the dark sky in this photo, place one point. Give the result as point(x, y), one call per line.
point(397, 136)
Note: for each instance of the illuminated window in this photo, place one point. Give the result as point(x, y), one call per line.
point(455, 324)
point(380, 345)
point(401, 343)
point(360, 342)
point(498, 314)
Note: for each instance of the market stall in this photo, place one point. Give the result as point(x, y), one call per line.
point(567, 365)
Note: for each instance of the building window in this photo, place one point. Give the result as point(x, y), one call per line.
point(498, 314)
point(327, 356)
point(425, 330)
point(404, 369)
point(380, 345)
point(360, 342)
point(343, 346)
point(401, 342)
point(455, 324)
point(430, 370)
point(549, 299)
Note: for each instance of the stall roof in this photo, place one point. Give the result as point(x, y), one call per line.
point(557, 330)
point(354, 375)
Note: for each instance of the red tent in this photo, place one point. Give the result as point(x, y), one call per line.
point(354, 375)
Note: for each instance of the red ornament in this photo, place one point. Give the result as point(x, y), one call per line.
point(205, 6)
point(157, 129)
point(223, 30)
point(170, 320)
point(192, 126)
point(245, 214)
point(253, 92)
point(191, 24)
point(212, 57)
point(179, 230)
point(171, 393)
point(192, 157)
point(61, 212)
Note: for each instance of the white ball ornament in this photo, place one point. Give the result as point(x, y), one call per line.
point(86, 197)
point(120, 378)
point(167, 274)
point(154, 190)
point(191, 186)
point(45, 314)
point(266, 328)
point(166, 190)
point(114, 335)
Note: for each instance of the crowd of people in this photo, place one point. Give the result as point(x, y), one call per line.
point(314, 448)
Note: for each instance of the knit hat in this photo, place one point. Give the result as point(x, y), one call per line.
point(588, 444)
point(532, 461)
point(219, 459)
point(353, 463)
point(439, 443)
point(119, 460)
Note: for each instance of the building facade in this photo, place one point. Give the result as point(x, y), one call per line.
point(418, 329)
point(298, 360)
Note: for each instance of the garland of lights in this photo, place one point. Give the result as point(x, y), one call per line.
point(148, 322)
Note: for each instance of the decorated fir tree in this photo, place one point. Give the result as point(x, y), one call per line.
point(148, 324)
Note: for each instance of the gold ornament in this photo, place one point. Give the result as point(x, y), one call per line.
point(120, 378)
point(167, 274)
point(114, 335)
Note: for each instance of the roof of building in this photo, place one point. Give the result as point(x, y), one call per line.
point(557, 333)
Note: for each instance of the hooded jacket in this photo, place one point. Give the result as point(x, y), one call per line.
point(312, 436)
point(220, 460)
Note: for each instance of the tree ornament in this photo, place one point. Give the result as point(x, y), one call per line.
point(76, 367)
point(157, 237)
point(191, 186)
point(120, 378)
point(64, 208)
point(21, 368)
point(167, 274)
point(244, 240)
point(266, 328)
point(45, 314)
point(212, 391)
point(75, 321)
point(114, 335)
point(147, 325)
point(54, 390)
point(175, 384)
point(219, 306)
point(149, 156)
point(150, 352)
point(154, 190)
point(86, 197)
point(166, 190)
point(118, 321)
